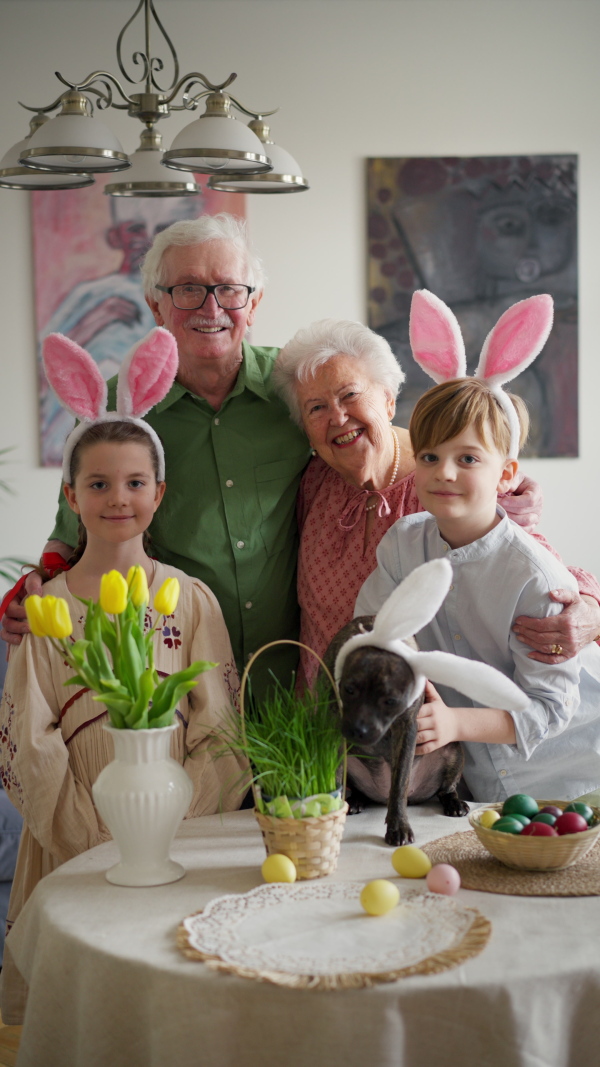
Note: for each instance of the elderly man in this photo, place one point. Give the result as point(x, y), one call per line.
point(234, 458)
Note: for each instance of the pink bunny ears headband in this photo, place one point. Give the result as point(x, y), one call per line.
point(514, 342)
point(146, 375)
point(406, 611)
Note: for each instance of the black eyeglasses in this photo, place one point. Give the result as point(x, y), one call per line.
point(191, 297)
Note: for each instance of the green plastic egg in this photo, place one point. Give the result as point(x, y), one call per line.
point(520, 804)
point(521, 818)
point(545, 816)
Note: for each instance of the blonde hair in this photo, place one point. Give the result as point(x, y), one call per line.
point(446, 410)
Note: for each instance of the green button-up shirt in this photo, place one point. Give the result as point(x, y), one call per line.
point(228, 513)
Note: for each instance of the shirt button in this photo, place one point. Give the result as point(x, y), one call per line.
point(217, 421)
point(446, 548)
point(229, 483)
point(451, 588)
point(457, 637)
point(248, 604)
point(503, 774)
point(240, 544)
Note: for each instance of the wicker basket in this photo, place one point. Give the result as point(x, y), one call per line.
point(312, 843)
point(536, 853)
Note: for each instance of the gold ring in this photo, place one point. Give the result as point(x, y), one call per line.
point(557, 650)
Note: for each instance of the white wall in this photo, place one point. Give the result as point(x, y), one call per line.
point(353, 78)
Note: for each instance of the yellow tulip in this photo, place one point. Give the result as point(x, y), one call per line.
point(62, 626)
point(35, 616)
point(166, 599)
point(138, 586)
point(113, 593)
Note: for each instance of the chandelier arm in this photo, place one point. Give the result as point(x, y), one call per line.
point(191, 80)
point(104, 77)
point(49, 107)
point(253, 114)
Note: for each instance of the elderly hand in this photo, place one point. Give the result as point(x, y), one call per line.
point(14, 623)
point(577, 625)
point(523, 502)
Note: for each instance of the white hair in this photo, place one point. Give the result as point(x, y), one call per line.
point(222, 227)
point(314, 345)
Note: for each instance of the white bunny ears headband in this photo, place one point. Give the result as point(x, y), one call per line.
point(509, 348)
point(145, 377)
point(406, 611)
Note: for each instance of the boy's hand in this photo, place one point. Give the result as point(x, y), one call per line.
point(436, 721)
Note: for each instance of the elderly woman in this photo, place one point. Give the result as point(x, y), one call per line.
point(340, 381)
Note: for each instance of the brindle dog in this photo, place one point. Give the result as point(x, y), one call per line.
point(381, 728)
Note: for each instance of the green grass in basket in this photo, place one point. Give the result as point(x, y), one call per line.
point(293, 742)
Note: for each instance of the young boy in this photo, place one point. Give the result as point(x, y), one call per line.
point(461, 439)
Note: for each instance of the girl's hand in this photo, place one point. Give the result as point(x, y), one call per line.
point(436, 722)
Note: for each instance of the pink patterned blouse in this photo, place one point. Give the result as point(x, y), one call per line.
point(332, 560)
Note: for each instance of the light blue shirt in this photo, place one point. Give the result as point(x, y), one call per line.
point(495, 579)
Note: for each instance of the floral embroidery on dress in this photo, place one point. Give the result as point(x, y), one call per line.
point(232, 683)
point(8, 751)
point(171, 635)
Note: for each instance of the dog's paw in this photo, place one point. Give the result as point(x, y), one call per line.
point(454, 806)
point(401, 835)
point(355, 805)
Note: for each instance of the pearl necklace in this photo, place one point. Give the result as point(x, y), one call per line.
point(370, 507)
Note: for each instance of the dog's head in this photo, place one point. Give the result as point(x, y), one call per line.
point(376, 687)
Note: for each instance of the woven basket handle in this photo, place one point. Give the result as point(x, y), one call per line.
point(244, 682)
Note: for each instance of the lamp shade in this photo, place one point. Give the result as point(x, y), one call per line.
point(146, 176)
point(13, 175)
point(217, 142)
point(73, 143)
point(286, 176)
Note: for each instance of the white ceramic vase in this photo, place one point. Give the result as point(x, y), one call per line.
point(142, 797)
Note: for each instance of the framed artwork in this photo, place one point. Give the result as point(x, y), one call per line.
point(87, 249)
point(481, 233)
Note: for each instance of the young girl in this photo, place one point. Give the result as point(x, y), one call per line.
point(462, 434)
point(52, 745)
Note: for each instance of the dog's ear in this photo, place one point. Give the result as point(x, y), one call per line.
point(414, 602)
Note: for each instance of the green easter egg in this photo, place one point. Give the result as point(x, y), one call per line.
point(521, 804)
point(545, 816)
point(508, 825)
point(581, 809)
point(522, 818)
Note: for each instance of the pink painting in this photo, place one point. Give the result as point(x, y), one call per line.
point(87, 251)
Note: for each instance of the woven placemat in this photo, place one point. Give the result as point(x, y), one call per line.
point(479, 870)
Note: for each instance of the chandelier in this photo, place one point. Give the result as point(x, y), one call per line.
point(66, 150)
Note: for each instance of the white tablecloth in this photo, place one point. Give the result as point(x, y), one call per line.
point(109, 988)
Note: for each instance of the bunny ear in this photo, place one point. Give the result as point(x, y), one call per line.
point(476, 680)
point(414, 602)
point(516, 339)
point(435, 338)
point(147, 373)
point(74, 377)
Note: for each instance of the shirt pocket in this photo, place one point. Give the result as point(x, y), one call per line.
point(277, 485)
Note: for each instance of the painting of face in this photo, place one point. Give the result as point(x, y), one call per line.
point(481, 233)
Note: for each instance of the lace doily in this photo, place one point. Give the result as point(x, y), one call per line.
point(316, 934)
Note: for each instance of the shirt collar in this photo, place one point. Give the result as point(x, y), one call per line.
point(249, 377)
point(484, 546)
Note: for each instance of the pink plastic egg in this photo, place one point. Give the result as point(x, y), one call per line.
point(443, 879)
point(570, 823)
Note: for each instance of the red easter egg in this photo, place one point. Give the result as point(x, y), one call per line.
point(538, 829)
point(570, 823)
point(551, 809)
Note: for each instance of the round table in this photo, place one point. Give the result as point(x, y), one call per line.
point(109, 988)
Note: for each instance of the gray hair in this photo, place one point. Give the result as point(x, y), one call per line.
point(221, 227)
point(314, 345)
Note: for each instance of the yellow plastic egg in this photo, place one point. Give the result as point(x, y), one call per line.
point(278, 868)
point(379, 896)
point(488, 818)
point(410, 862)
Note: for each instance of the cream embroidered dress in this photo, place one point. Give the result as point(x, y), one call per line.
point(53, 747)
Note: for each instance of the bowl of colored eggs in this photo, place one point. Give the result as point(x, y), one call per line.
point(537, 835)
